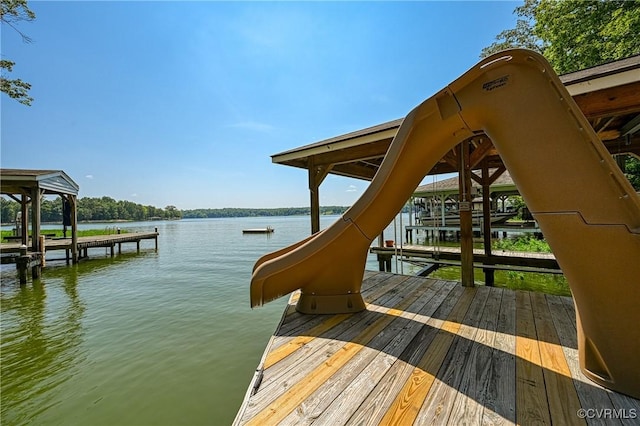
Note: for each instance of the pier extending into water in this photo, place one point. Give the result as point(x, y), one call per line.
point(433, 257)
point(429, 352)
point(15, 252)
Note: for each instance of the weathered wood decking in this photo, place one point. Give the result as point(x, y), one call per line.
point(88, 242)
point(430, 352)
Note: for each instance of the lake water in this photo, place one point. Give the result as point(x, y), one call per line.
point(163, 338)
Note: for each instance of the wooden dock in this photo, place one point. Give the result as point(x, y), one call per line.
point(430, 352)
point(450, 256)
point(12, 253)
point(109, 241)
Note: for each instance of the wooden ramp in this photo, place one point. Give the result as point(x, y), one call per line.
point(430, 352)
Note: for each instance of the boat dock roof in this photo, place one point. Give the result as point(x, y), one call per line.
point(429, 352)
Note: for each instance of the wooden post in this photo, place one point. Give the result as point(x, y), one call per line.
point(35, 270)
point(43, 251)
point(486, 214)
point(22, 264)
point(35, 220)
point(156, 238)
point(317, 173)
point(74, 228)
point(25, 219)
point(464, 207)
point(314, 194)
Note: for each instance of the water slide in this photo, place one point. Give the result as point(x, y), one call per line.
point(586, 208)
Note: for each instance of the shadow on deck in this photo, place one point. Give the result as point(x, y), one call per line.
point(430, 351)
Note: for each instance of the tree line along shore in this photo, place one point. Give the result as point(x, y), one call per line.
point(106, 209)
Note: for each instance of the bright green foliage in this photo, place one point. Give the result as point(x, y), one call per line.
point(12, 12)
point(522, 35)
point(518, 204)
point(581, 34)
point(16, 88)
point(632, 171)
point(522, 243)
point(574, 34)
point(244, 212)
point(92, 209)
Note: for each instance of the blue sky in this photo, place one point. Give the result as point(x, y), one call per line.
point(183, 103)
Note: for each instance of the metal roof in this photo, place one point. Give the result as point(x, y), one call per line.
point(503, 184)
point(16, 181)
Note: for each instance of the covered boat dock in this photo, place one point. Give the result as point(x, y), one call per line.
point(27, 187)
point(430, 351)
point(608, 95)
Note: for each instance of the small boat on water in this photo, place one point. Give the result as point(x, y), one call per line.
point(267, 230)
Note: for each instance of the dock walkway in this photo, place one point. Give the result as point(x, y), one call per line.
point(84, 243)
point(430, 352)
point(446, 255)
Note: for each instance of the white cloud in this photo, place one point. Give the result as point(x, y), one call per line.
point(89, 176)
point(352, 188)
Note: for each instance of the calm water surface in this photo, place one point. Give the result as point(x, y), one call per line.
point(163, 338)
point(155, 338)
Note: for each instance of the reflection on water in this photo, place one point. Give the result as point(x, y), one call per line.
point(41, 334)
point(163, 338)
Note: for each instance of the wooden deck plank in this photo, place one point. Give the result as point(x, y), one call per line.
point(570, 307)
point(439, 403)
point(301, 324)
point(621, 403)
point(531, 397)
point(589, 393)
point(389, 387)
point(408, 401)
point(469, 402)
point(298, 392)
point(315, 352)
point(561, 392)
point(276, 410)
point(283, 351)
point(431, 352)
point(363, 372)
point(500, 399)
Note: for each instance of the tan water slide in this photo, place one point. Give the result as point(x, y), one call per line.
point(586, 208)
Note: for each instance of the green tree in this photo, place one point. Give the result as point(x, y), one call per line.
point(172, 212)
point(8, 210)
point(11, 13)
point(632, 171)
point(574, 34)
point(523, 35)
